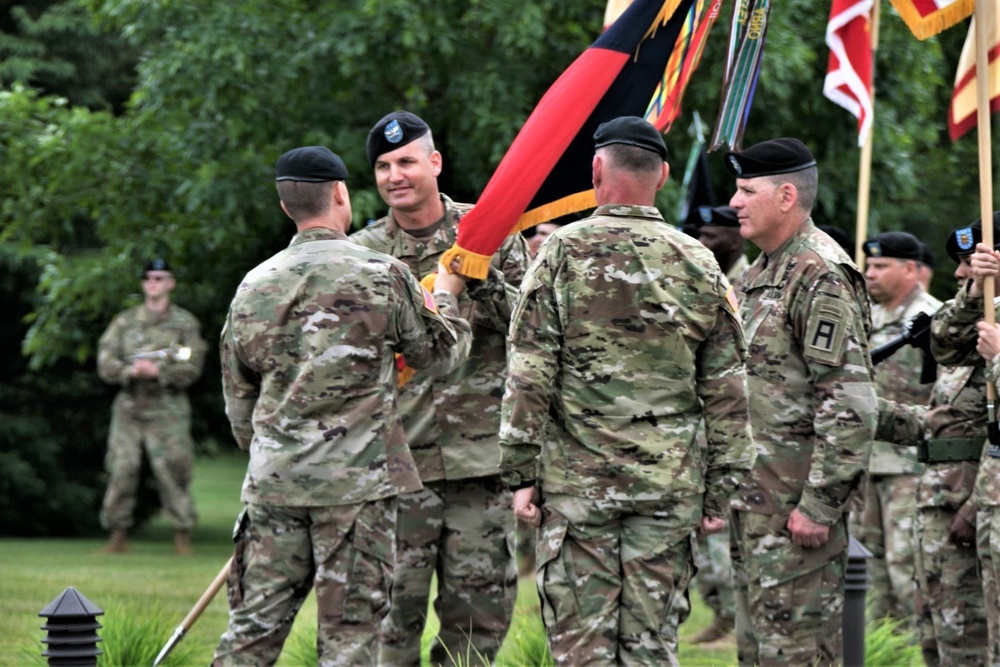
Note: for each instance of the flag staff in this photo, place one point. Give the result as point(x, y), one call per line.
point(983, 20)
point(865, 166)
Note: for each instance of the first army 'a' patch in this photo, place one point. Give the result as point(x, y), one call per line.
point(824, 341)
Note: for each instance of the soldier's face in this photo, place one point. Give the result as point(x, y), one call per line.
point(407, 176)
point(964, 270)
point(157, 283)
point(757, 202)
point(889, 278)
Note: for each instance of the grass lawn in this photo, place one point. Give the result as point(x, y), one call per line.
point(149, 590)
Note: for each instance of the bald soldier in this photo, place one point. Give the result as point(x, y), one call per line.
point(812, 405)
point(623, 339)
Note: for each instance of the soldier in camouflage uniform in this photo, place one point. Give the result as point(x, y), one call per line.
point(719, 232)
point(624, 337)
point(459, 525)
point(886, 525)
point(812, 402)
point(151, 410)
point(949, 436)
point(986, 262)
point(309, 378)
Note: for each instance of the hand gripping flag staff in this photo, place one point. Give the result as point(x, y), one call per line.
point(546, 171)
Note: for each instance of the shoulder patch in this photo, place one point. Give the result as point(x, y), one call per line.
point(429, 302)
point(826, 331)
point(734, 305)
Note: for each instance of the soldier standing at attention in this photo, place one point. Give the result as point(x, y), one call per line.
point(459, 525)
point(309, 378)
point(623, 339)
point(950, 437)
point(812, 405)
point(151, 409)
point(892, 274)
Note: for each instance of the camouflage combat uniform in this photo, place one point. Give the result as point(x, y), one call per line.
point(151, 413)
point(714, 579)
point(987, 496)
point(623, 338)
point(806, 317)
point(460, 524)
point(886, 525)
point(309, 379)
point(950, 435)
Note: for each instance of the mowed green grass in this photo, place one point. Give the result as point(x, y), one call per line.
point(152, 589)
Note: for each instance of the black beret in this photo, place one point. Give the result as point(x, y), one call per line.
point(395, 130)
point(898, 245)
point(156, 264)
point(631, 131)
point(312, 164)
point(718, 216)
point(962, 241)
point(776, 156)
point(926, 255)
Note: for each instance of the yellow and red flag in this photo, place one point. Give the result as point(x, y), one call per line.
point(849, 68)
point(962, 111)
point(929, 17)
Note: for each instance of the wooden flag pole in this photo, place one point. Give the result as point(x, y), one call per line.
point(865, 167)
point(984, 21)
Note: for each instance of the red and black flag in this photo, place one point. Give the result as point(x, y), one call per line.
point(546, 172)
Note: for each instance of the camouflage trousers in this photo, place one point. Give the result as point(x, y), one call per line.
point(714, 578)
point(613, 578)
point(462, 531)
point(886, 529)
point(951, 614)
point(988, 539)
point(281, 553)
point(789, 600)
point(163, 427)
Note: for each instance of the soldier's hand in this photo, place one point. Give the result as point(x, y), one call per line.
point(961, 532)
point(806, 533)
point(525, 506)
point(711, 524)
point(145, 369)
point(449, 281)
point(989, 340)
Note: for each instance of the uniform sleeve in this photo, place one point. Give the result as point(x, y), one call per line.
point(111, 365)
point(240, 387)
point(182, 373)
point(722, 387)
point(495, 296)
point(901, 423)
point(831, 324)
point(429, 330)
point(953, 330)
point(534, 340)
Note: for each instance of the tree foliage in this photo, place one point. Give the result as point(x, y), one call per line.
point(184, 169)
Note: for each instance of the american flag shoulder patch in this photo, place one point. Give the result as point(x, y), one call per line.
point(429, 303)
point(734, 305)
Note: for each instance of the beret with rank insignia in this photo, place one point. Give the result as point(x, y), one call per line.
point(898, 245)
point(775, 156)
point(393, 131)
point(962, 241)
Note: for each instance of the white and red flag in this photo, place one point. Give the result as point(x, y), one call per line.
point(849, 69)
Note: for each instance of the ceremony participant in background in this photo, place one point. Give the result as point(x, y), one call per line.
point(719, 231)
point(459, 525)
point(624, 337)
point(926, 266)
point(986, 262)
point(309, 378)
point(542, 232)
point(812, 405)
point(950, 436)
point(892, 274)
point(154, 352)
